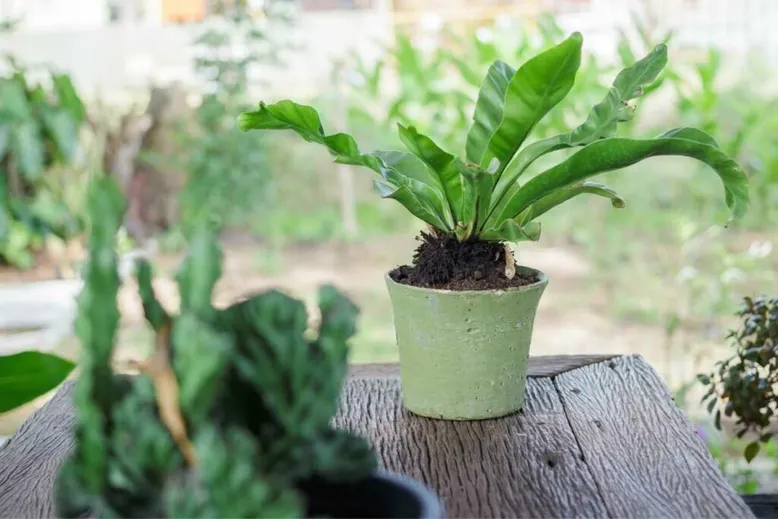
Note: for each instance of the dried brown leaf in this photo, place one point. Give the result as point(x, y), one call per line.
point(159, 368)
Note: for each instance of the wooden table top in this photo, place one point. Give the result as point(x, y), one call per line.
point(599, 436)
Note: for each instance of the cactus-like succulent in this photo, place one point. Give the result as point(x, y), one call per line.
point(231, 414)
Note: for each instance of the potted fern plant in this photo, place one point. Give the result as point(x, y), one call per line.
point(230, 416)
point(463, 310)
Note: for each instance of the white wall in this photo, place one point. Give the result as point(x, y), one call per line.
point(73, 35)
point(38, 15)
point(46, 15)
point(106, 58)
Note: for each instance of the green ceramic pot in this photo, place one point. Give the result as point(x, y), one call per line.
point(463, 354)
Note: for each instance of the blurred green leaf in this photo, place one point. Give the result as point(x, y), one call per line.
point(752, 449)
point(13, 101)
point(5, 223)
point(5, 138)
point(488, 113)
point(443, 164)
point(28, 148)
point(561, 196)
point(64, 132)
point(69, 99)
point(28, 375)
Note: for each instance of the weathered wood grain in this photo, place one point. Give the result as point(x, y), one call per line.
point(30, 459)
point(525, 465)
point(644, 454)
point(603, 440)
point(543, 366)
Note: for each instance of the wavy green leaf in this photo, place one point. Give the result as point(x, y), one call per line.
point(513, 231)
point(601, 122)
point(305, 121)
point(536, 88)
point(407, 170)
point(28, 375)
point(629, 84)
point(447, 167)
point(488, 112)
point(416, 206)
point(692, 134)
point(411, 166)
point(560, 196)
point(477, 189)
point(616, 153)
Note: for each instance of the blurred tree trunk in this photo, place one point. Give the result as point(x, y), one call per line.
point(151, 178)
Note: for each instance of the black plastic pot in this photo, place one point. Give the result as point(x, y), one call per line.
point(764, 506)
point(384, 494)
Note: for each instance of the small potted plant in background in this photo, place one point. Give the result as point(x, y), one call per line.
point(743, 387)
point(741, 390)
point(464, 311)
point(230, 416)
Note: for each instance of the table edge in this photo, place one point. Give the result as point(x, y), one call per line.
point(542, 366)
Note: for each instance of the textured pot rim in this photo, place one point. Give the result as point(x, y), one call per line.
point(524, 288)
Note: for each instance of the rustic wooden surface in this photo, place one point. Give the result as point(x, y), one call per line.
point(598, 437)
point(543, 366)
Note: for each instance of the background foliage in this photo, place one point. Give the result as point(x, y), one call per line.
point(228, 172)
point(40, 126)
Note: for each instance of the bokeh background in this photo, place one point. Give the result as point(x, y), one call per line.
point(148, 91)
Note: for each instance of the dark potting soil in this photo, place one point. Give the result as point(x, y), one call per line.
point(443, 262)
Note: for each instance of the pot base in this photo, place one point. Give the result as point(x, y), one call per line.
point(487, 415)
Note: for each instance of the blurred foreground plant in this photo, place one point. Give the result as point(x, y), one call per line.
point(231, 414)
point(744, 385)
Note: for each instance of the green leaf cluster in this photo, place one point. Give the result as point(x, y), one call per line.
point(742, 388)
point(485, 195)
point(436, 88)
point(39, 129)
point(256, 388)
